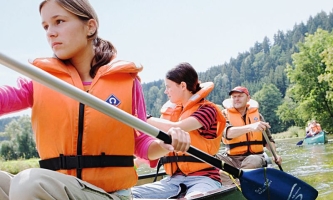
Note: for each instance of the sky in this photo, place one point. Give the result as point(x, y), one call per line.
point(159, 34)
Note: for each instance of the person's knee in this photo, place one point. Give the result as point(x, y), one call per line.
point(25, 181)
point(253, 162)
point(5, 179)
point(136, 192)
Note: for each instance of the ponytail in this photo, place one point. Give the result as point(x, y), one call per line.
point(104, 53)
point(197, 88)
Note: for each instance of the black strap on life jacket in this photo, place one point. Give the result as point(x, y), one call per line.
point(159, 164)
point(85, 161)
point(245, 143)
point(171, 159)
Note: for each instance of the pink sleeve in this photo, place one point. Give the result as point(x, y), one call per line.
point(142, 141)
point(14, 99)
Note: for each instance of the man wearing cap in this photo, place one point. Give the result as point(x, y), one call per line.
point(243, 136)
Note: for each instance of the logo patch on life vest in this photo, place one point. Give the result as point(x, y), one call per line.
point(113, 100)
point(256, 119)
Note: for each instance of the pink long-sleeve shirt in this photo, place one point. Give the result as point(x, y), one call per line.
point(13, 99)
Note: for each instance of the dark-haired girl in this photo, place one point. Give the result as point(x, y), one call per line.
point(187, 109)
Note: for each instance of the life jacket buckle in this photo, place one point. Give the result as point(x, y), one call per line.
point(62, 161)
point(71, 162)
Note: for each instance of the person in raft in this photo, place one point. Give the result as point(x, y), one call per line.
point(84, 154)
point(243, 135)
point(307, 130)
point(187, 109)
point(313, 129)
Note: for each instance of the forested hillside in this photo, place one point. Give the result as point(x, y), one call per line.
point(263, 70)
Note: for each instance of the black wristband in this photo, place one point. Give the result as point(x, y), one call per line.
point(149, 116)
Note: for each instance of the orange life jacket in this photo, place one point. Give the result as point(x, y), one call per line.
point(249, 143)
point(78, 140)
point(183, 161)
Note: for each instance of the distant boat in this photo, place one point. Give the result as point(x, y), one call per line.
point(320, 138)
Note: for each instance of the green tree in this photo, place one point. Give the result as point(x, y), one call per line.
point(269, 98)
point(5, 121)
point(21, 143)
point(235, 78)
point(287, 113)
point(328, 75)
point(266, 45)
point(280, 79)
point(216, 94)
point(258, 64)
point(25, 139)
point(155, 101)
point(8, 151)
point(306, 90)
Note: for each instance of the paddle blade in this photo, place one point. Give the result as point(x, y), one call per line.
point(270, 183)
point(300, 142)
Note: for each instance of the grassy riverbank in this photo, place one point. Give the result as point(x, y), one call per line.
point(292, 132)
point(15, 166)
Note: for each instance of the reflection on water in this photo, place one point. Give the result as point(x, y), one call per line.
point(310, 163)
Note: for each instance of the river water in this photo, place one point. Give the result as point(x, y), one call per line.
point(310, 163)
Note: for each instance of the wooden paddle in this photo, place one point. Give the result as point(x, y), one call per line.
point(271, 148)
point(258, 184)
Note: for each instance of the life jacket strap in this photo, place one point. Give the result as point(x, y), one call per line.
point(86, 161)
point(245, 143)
point(171, 159)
